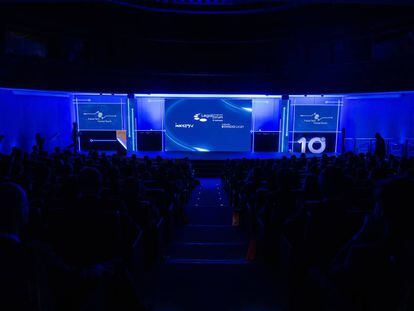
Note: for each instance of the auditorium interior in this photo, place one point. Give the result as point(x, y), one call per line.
point(198, 155)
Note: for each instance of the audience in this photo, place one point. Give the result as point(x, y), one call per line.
point(339, 227)
point(73, 227)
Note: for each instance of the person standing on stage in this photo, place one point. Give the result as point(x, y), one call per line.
point(40, 142)
point(379, 146)
point(1, 140)
point(75, 135)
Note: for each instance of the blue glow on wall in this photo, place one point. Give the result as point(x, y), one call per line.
point(23, 113)
point(266, 114)
point(390, 114)
point(149, 113)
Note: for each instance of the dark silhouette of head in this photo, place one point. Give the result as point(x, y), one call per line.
point(14, 208)
point(310, 186)
point(332, 183)
point(90, 182)
point(395, 197)
point(284, 179)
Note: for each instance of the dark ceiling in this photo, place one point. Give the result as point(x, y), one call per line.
point(154, 45)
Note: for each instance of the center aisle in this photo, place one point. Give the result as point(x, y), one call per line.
point(205, 267)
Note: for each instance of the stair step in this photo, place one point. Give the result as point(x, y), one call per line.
point(208, 251)
point(209, 226)
point(209, 234)
point(190, 261)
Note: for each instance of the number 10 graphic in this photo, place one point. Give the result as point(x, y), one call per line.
point(321, 141)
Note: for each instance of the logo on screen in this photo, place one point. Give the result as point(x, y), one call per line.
point(203, 117)
point(184, 125)
point(315, 145)
point(197, 117)
point(315, 118)
point(99, 117)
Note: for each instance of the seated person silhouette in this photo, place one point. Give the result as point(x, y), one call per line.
point(16, 269)
point(89, 232)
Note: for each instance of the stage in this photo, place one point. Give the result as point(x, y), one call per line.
point(220, 155)
point(201, 126)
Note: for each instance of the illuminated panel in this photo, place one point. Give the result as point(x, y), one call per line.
point(101, 121)
point(99, 112)
point(315, 124)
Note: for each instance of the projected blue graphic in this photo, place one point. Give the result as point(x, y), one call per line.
point(316, 118)
point(100, 116)
point(203, 125)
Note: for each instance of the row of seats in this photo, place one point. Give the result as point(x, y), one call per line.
point(94, 224)
point(339, 229)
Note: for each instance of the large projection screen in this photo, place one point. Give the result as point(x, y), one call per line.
point(208, 124)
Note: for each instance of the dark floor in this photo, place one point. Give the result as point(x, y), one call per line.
point(206, 267)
